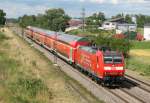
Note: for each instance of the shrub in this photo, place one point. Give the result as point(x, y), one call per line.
point(3, 37)
point(121, 45)
point(27, 90)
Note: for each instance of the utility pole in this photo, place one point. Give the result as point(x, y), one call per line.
point(83, 18)
point(128, 37)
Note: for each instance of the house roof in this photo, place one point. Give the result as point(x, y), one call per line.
point(75, 22)
point(115, 19)
point(126, 24)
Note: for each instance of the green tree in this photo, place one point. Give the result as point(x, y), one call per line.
point(27, 20)
point(42, 21)
point(121, 45)
point(53, 19)
point(128, 18)
point(57, 19)
point(2, 17)
point(95, 19)
point(142, 19)
point(118, 16)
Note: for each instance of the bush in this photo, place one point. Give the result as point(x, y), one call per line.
point(31, 87)
point(121, 45)
point(3, 37)
point(28, 90)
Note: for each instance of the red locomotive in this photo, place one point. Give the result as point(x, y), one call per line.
point(107, 66)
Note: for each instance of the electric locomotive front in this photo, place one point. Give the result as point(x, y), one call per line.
point(113, 67)
point(106, 66)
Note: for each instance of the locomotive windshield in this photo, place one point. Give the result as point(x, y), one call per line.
point(117, 59)
point(112, 59)
point(108, 59)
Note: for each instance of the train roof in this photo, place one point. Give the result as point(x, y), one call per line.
point(70, 38)
point(112, 53)
point(46, 32)
point(66, 38)
point(88, 49)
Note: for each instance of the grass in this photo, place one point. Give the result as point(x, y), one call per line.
point(140, 57)
point(27, 89)
point(27, 76)
point(140, 64)
point(15, 85)
point(141, 45)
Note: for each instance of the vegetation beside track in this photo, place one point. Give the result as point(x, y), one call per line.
point(26, 76)
point(141, 45)
point(91, 31)
point(139, 61)
point(140, 57)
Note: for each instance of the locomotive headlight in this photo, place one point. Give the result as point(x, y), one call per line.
point(107, 68)
point(119, 68)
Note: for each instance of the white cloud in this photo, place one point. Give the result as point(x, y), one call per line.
point(97, 1)
point(19, 9)
point(15, 8)
point(81, 0)
point(136, 1)
point(93, 1)
point(114, 1)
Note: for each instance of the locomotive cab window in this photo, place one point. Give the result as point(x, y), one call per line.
point(112, 59)
point(117, 59)
point(108, 59)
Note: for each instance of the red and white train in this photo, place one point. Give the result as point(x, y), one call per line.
point(107, 66)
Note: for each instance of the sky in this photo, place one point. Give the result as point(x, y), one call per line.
point(16, 8)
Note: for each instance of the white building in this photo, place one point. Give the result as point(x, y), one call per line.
point(72, 28)
point(147, 31)
point(109, 25)
point(126, 27)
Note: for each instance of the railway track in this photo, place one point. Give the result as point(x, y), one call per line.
point(86, 100)
point(99, 86)
point(136, 82)
point(128, 76)
point(130, 98)
point(116, 95)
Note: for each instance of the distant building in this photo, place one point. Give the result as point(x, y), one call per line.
point(147, 31)
point(111, 24)
point(121, 28)
point(74, 24)
point(119, 24)
point(134, 19)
